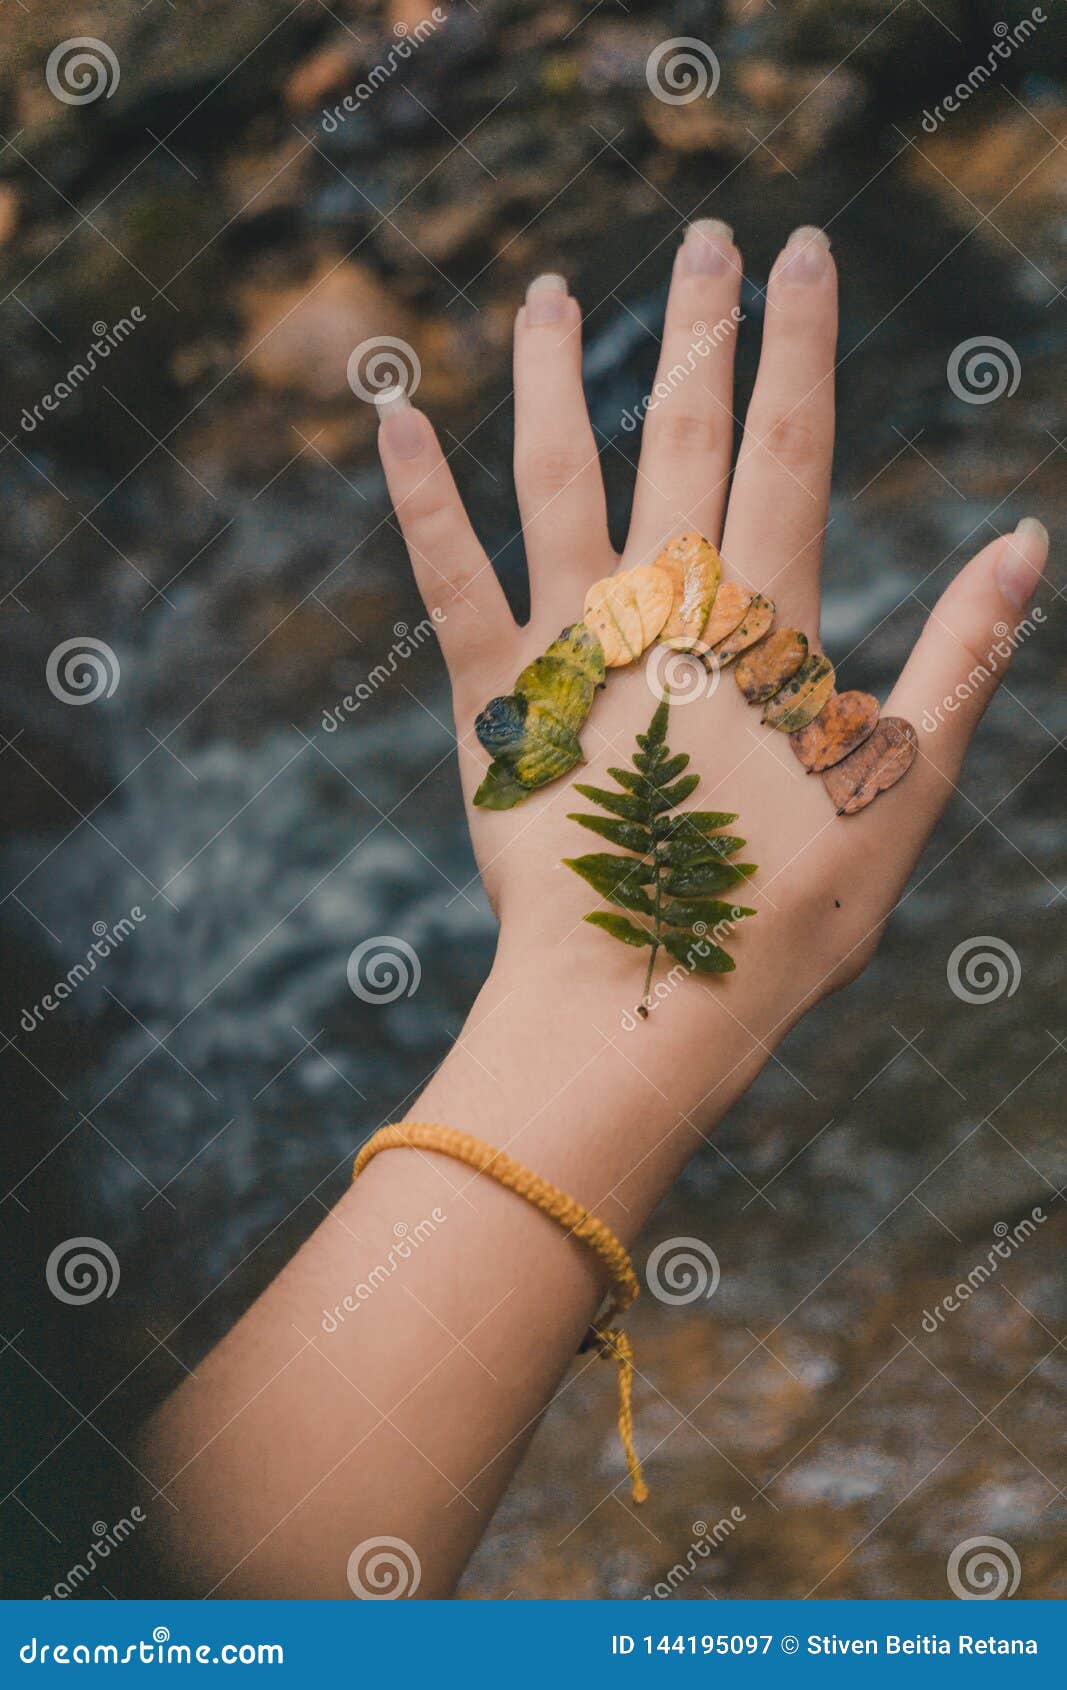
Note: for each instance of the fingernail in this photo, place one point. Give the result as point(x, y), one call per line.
point(402, 428)
point(546, 299)
point(805, 256)
point(1020, 564)
point(705, 250)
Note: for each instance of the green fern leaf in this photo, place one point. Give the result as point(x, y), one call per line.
point(677, 864)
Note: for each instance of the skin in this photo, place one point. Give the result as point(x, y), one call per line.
point(291, 1444)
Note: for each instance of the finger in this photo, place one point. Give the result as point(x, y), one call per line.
point(687, 438)
point(457, 581)
point(557, 470)
point(961, 657)
point(780, 496)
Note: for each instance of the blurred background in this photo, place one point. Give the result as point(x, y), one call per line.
point(199, 563)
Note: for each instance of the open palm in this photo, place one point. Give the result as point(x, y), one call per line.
point(825, 884)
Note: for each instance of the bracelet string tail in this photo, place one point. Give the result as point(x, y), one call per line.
point(609, 1340)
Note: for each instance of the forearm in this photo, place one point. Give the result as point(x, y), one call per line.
point(319, 1423)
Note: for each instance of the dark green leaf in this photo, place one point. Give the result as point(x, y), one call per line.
point(710, 912)
point(673, 766)
point(699, 954)
point(619, 927)
point(630, 809)
point(698, 848)
point(657, 728)
point(705, 878)
point(619, 879)
point(631, 781)
point(500, 790)
point(704, 821)
point(630, 835)
point(676, 794)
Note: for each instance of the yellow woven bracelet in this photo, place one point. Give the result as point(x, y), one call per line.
point(610, 1342)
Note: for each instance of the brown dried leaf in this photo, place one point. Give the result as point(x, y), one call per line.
point(611, 612)
point(694, 568)
point(768, 665)
point(799, 701)
point(876, 766)
point(840, 727)
point(654, 592)
point(754, 624)
point(731, 603)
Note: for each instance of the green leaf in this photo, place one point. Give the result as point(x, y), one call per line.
point(619, 927)
point(673, 766)
point(630, 809)
point(501, 789)
point(631, 781)
point(619, 879)
point(676, 794)
point(630, 835)
point(705, 878)
point(657, 728)
point(710, 912)
point(699, 954)
point(704, 821)
point(698, 848)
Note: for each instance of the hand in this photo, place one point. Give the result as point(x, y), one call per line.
point(825, 884)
